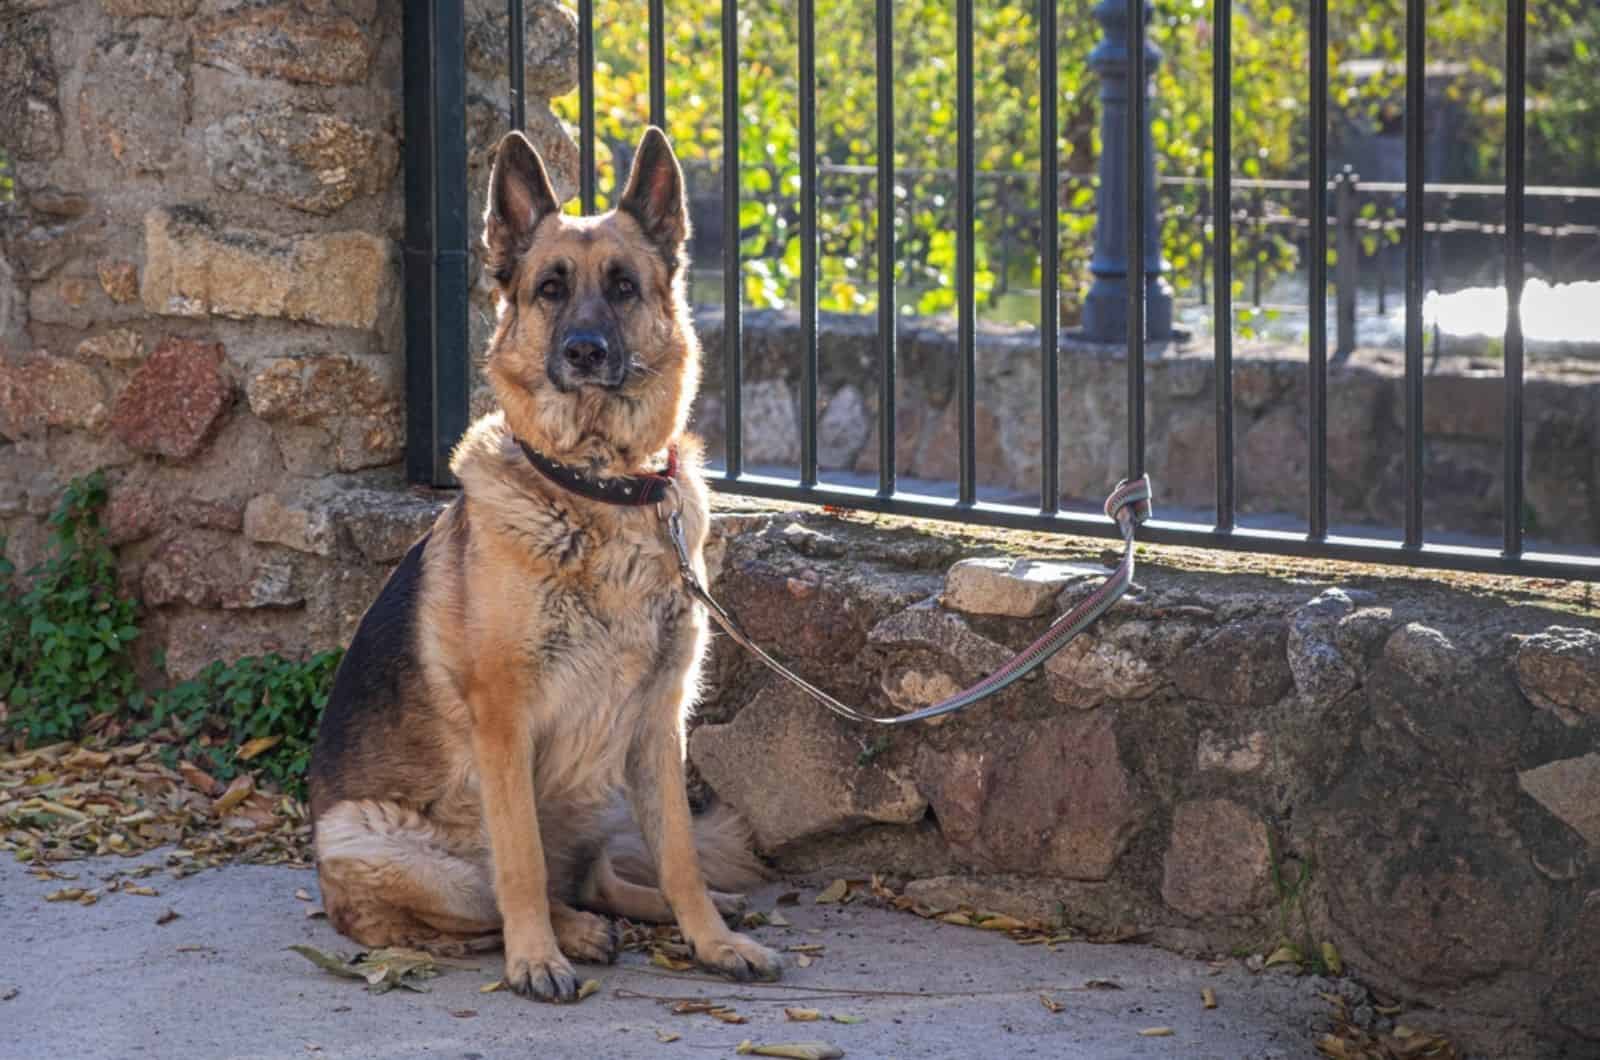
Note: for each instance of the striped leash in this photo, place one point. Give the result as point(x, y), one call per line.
point(1129, 505)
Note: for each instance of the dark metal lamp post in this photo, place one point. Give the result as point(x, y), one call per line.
point(1105, 310)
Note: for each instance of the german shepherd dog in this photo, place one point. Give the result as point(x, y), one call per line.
point(535, 652)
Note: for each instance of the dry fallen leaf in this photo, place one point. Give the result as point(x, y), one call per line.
point(302, 894)
point(805, 947)
point(1208, 998)
point(726, 1015)
point(802, 1015)
point(1331, 958)
point(383, 969)
point(260, 745)
point(838, 1018)
point(1050, 1003)
point(8, 993)
point(1000, 922)
point(788, 898)
point(689, 1008)
point(1102, 984)
point(316, 912)
point(1283, 955)
point(777, 919)
point(1156, 1032)
point(242, 788)
point(464, 1013)
point(671, 964)
point(65, 894)
point(667, 1036)
point(168, 917)
point(804, 960)
point(792, 1050)
point(588, 988)
point(141, 891)
point(489, 988)
point(834, 893)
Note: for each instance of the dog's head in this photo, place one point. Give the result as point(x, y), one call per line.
point(594, 357)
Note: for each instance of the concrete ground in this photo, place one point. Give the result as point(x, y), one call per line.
point(105, 981)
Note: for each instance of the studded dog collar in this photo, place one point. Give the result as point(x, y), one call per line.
point(628, 490)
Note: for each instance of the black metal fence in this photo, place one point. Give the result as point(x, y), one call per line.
point(438, 365)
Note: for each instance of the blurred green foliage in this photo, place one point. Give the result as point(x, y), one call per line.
point(1268, 119)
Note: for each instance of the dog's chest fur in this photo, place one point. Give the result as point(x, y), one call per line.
point(590, 598)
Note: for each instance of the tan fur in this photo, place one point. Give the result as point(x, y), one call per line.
point(552, 655)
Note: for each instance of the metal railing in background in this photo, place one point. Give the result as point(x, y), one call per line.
point(437, 364)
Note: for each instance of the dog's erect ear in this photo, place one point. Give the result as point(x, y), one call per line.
point(520, 196)
point(654, 195)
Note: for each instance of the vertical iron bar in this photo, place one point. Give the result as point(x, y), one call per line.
point(1317, 368)
point(966, 295)
point(732, 268)
point(1516, 217)
point(658, 65)
point(586, 165)
point(1049, 264)
point(1137, 279)
point(887, 320)
point(1222, 252)
point(437, 369)
point(806, 12)
point(517, 24)
point(1416, 28)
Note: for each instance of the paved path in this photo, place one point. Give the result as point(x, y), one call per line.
point(104, 981)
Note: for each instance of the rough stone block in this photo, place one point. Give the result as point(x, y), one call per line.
point(824, 787)
point(280, 40)
point(134, 103)
point(1570, 789)
point(175, 399)
point(1018, 588)
point(1559, 670)
point(999, 815)
point(1128, 660)
point(39, 391)
point(149, 8)
point(30, 116)
point(1321, 672)
point(944, 634)
point(194, 269)
point(1246, 664)
point(352, 411)
point(1217, 860)
point(315, 162)
point(119, 280)
point(123, 344)
point(306, 525)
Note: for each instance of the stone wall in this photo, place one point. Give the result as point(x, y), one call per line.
point(199, 288)
point(1426, 750)
point(1462, 423)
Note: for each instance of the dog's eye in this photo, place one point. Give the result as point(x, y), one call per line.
point(625, 288)
point(553, 290)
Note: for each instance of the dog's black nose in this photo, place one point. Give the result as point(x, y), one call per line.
point(586, 350)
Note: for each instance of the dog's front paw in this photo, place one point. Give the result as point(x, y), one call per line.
point(738, 957)
point(542, 978)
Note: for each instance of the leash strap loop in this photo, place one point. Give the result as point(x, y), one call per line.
point(1129, 505)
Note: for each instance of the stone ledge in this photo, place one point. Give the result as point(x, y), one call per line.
point(1424, 746)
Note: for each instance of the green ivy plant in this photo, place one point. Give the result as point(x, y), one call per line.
point(267, 701)
point(66, 635)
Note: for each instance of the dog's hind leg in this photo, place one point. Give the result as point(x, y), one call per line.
point(390, 878)
point(608, 892)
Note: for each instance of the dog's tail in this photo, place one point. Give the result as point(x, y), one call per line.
point(721, 838)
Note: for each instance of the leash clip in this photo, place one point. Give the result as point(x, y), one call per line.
point(672, 518)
